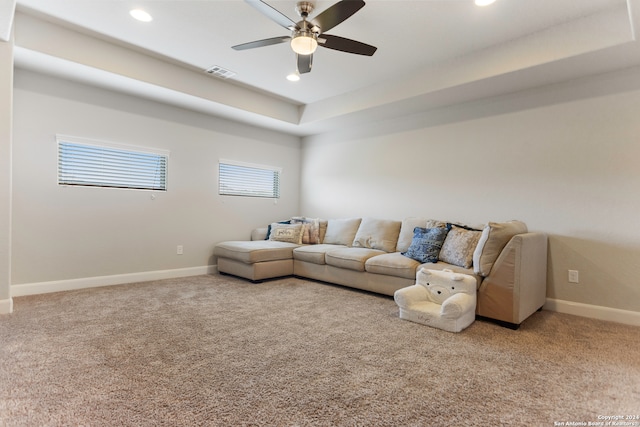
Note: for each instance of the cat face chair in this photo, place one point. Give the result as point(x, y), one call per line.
point(440, 299)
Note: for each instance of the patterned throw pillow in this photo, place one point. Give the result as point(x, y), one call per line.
point(269, 228)
point(289, 233)
point(426, 244)
point(310, 229)
point(459, 246)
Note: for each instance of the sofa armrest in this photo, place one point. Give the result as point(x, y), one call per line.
point(405, 297)
point(259, 233)
point(516, 287)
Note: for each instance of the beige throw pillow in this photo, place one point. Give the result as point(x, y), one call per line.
point(377, 234)
point(459, 245)
point(495, 237)
point(289, 233)
point(310, 229)
point(323, 230)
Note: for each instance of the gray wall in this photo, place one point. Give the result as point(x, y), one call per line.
point(62, 233)
point(564, 159)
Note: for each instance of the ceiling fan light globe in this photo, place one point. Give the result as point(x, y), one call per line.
point(304, 44)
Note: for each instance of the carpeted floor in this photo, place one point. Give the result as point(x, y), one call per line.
point(219, 351)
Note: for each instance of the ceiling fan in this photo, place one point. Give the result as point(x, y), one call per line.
point(307, 35)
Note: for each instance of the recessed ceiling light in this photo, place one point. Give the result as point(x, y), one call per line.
point(484, 2)
point(140, 15)
point(293, 77)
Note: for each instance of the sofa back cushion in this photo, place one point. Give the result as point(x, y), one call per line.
point(408, 226)
point(494, 238)
point(341, 231)
point(379, 234)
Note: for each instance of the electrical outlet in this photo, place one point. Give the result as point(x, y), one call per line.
point(180, 250)
point(573, 276)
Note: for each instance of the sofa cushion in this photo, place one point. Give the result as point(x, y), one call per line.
point(341, 231)
point(494, 238)
point(459, 246)
point(408, 225)
point(394, 264)
point(351, 258)
point(377, 234)
point(255, 250)
point(426, 244)
point(314, 253)
point(290, 233)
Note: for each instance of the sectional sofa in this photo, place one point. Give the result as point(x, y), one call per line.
point(508, 262)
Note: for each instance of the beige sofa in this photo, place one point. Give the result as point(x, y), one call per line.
point(508, 262)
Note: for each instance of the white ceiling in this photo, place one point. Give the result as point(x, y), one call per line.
point(424, 47)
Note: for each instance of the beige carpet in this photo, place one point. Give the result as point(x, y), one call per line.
point(219, 351)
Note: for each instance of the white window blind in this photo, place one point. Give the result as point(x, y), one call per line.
point(97, 164)
point(245, 179)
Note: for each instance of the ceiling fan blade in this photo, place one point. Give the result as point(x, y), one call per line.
point(304, 63)
point(273, 14)
point(262, 43)
point(346, 45)
point(337, 13)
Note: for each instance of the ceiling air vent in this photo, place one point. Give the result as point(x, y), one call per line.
point(220, 72)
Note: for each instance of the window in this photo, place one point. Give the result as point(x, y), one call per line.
point(244, 179)
point(98, 164)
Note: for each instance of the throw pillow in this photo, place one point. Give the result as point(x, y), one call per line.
point(289, 233)
point(341, 231)
point(377, 234)
point(269, 228)
point(408, 225)
point(310, 229)
point(426, 244)
point(459, 246)
point(323, 230)
point(495, 237)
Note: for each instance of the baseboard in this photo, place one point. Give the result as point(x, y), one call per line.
point(593, 311)
point(6, 306)
point(117, 279)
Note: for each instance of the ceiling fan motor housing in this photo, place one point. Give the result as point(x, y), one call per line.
point(304, 8)
point(306, 28)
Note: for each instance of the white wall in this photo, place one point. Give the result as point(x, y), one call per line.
point(6, 96)
point(63, 233)
point(564, 159)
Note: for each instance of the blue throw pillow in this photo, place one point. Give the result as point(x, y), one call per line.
point(426, 244)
